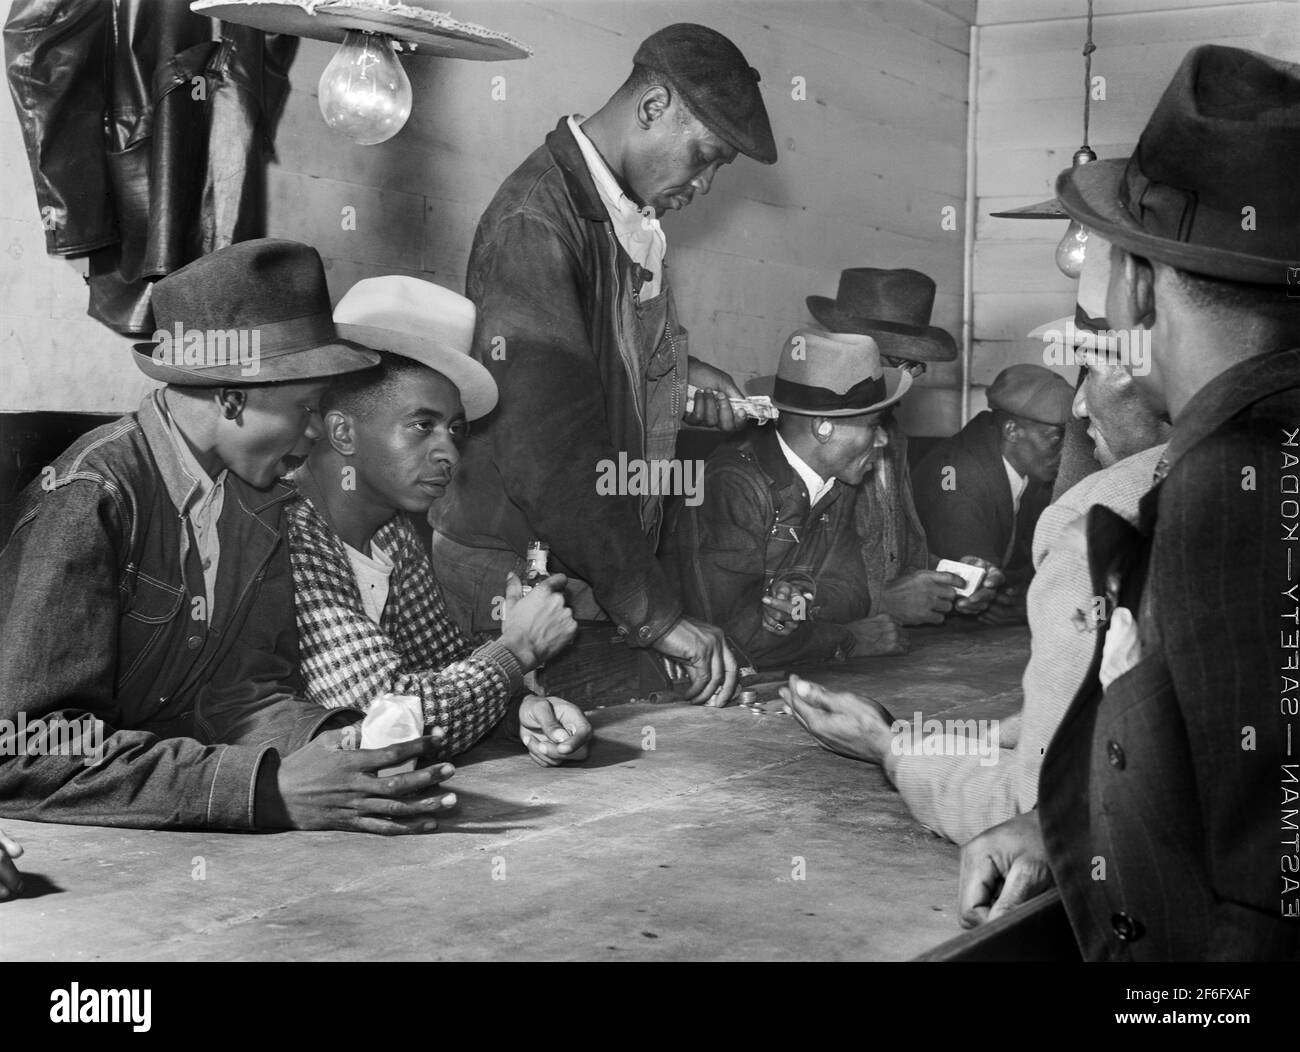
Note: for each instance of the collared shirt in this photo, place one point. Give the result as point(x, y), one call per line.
point(816, 486)
point(637, 230)
point(1018, 482)
point(202, 507)
point(372, 573)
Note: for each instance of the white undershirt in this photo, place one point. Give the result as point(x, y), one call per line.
point(1018, 485)
point(372, 573)
point(637, 230)
point(816, 486)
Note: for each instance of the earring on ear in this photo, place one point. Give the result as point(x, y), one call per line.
point(824, 428)
point(229, 411)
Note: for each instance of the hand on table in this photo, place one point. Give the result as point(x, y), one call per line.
point(701, 651)
point(921, 597)
point(326, 785)
point(783, 608)
point(878, 635)
point(11, 881)
point(1007, 608)
point(849, 724)
point(553, 730)
point(712, 402)
point(1001, 868)
point(537, 626)
point(979, 600)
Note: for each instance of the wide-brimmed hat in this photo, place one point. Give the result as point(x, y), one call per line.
point(893, 307)
point(417, 25)
point(422, 321)
point(256, 312)
point(720, 87)
point(831, 374)
point(1212, 187)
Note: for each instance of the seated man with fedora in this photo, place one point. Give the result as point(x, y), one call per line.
point(770, 553)
point(146, 593)
point(893, 307)
point(371, 617)
point(1173, 766)
point(981, 491)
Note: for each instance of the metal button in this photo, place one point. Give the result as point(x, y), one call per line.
point(643, 632)
point(194, 642)
point(1115, 755)
point(1126, 928)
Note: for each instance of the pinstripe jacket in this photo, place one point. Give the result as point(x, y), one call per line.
point(1163, 799)
point(416, 649)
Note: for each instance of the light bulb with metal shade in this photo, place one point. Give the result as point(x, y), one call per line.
point(365, 94)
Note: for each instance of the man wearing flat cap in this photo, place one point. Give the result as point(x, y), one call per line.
point(770, 553)
point(578, 328)
point(146, 595)
point(1173, 767)
point(981, 491)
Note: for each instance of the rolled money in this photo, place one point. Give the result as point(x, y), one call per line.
point(756, 407)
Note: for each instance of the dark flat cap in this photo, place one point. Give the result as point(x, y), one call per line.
point(1032, 392)
point(718, 84)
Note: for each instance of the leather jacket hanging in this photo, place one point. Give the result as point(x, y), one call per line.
point(147, 137)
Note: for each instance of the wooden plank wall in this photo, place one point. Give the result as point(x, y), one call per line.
point(1029, 122)
point(869, 159)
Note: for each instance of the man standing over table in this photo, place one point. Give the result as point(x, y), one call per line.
point(578, 327)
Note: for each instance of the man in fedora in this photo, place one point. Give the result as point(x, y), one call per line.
point(893, 307)
point(371, 620)
point(1166, 770)
point(949, 784)
point(146, 593)
point(770, 553)
point(577, 325)
point(981, 491)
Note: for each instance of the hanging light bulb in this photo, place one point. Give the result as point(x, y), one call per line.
point(365, 95)
point(1072, 247)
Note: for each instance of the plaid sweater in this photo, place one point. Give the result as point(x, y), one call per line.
point(348, 660)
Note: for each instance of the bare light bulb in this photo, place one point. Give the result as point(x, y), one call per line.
point(1070, 252)
point(364, 93)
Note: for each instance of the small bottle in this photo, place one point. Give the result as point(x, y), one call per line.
point(535, 570)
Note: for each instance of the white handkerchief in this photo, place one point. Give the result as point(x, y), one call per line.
point(391, 719)
point(1122, 649)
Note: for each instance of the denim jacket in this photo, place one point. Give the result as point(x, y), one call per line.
point(555, 328)
point(102, 613)
point(754, 528)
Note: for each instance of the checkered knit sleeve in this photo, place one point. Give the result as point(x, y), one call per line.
point(416, 649)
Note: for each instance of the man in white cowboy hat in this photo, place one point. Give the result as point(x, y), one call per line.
point(770, 553)
point(371, 618)
point(893, 307)
point(1167, 765)
point(146, 594)
point(949, 785)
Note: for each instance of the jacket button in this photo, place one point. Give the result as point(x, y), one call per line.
point(1126, 929)
point(643, 633)
point(194, 642)
point(1115, 755)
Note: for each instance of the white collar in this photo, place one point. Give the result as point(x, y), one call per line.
point(816, 486)
point(617, 203)
point(1018, 483)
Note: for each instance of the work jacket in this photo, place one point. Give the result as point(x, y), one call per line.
point(754, 528)
point(557, 323)
point(104, 614)
point(145, 136)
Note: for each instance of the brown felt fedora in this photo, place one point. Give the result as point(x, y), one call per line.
point(1214, 184)
point(257, 312)
point(891, 306)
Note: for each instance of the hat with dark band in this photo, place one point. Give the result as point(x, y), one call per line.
point(257, 312)
point(832, 374)
point(893, 306)
point(1212, 187)
point(720, 87)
